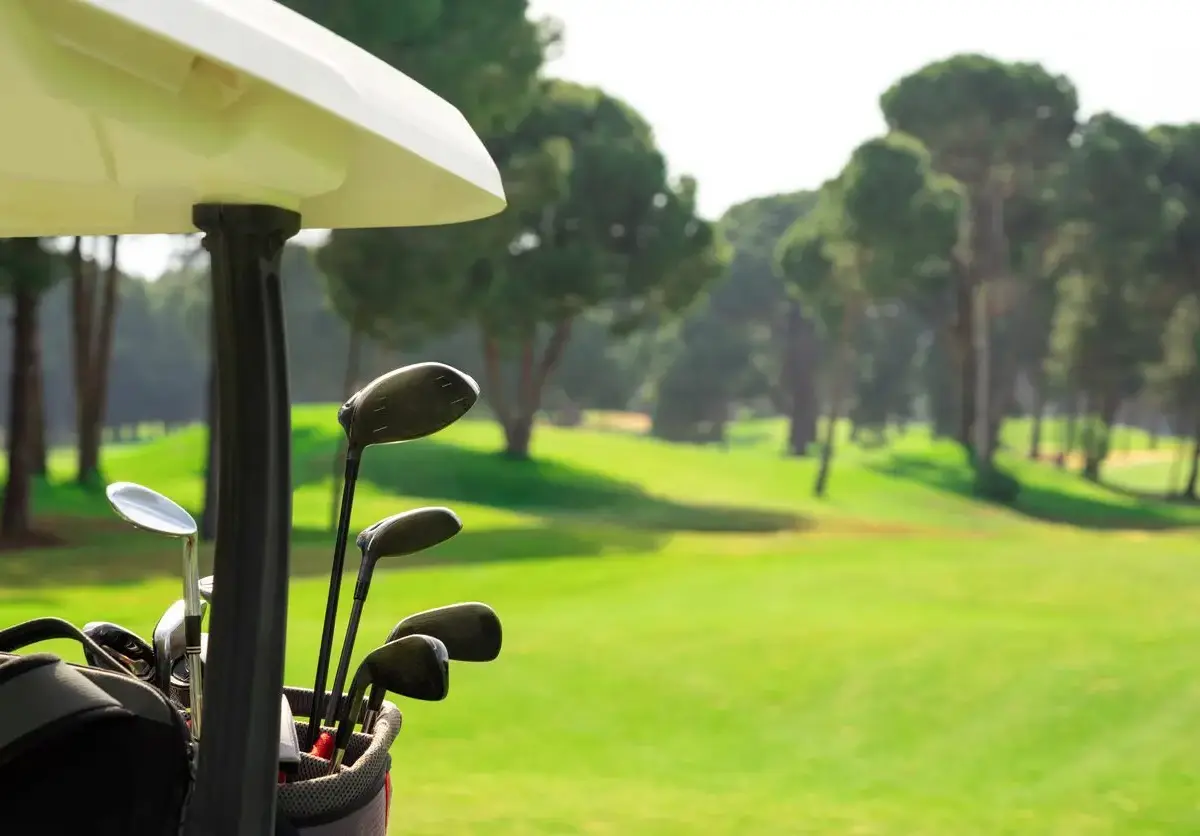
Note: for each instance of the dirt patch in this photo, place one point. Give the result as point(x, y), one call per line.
point(52, 532)
point(629, 422)
point(1117, 458)
point(31, 540)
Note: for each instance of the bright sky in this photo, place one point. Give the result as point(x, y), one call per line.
point(754, 97)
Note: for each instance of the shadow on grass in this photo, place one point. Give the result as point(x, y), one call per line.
point(113, 555)
point(448, 473)
point(1043, 502)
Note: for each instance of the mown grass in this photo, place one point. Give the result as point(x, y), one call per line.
point(695, 645)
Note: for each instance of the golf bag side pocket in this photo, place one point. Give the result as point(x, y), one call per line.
point(355, 800)
point(70, 750)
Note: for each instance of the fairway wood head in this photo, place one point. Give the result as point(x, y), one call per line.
point(124, 645)
point(470, 631)
point(406, 404)
point(149, 510)
point(408, 532)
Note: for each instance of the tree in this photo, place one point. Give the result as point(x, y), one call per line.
point(1178, 376)
point(883, 223)
point(992, 126)
point(781, 335)
point(27, 270)
point(1111, 308)
point(593, 221)
point(94, 297)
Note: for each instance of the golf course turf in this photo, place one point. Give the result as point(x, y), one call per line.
point(693, 645)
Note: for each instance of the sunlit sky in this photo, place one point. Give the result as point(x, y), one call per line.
point(754, 97)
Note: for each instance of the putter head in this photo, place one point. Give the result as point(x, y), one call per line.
point(408, 532)
point(149, 510)
point(470, 631)
point(406, 404)
point(124, 645)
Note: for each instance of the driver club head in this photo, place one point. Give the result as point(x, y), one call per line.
point(406, 404)
point(417, 667)
point(470, 631)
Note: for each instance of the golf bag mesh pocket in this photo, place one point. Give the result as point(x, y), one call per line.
point(354, 802)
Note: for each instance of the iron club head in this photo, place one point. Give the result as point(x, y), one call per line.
point(124, 645)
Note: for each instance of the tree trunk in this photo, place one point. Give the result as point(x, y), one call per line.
point(1099, 440)
point(92, 325)
point(800, 364)
point(101, 361)
point(964, 355)
point(37, 399)
point(349, 384)
point(1189, 489)
point(841, 373)
point(1071, 430)
point(533, 372)
point(16, 515)
point(1039, 413)
point(208, 519)
point(982, 440)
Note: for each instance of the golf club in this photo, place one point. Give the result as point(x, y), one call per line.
point(48, 627)
point(169, 641)
point(151, 511)
point(124, 645)
point(395, 536)
point(403, 405)
point(415, 666)
point(470, 631)
point(206, 588)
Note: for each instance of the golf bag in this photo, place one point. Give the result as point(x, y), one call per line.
point(355, 801)
point(87, 752)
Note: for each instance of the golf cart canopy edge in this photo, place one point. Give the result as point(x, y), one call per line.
point(121, 115)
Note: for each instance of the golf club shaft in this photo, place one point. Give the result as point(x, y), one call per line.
point(195, 689)
point(343, 668)
point(331, 602)
point(193, 615)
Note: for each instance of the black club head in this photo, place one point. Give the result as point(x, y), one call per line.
point(408, 532)
point(406, 404)
point(470, 631)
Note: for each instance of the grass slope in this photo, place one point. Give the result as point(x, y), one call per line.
point(694, 645)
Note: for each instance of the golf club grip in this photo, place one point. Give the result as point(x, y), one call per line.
point(350, 477)
point(48, 627)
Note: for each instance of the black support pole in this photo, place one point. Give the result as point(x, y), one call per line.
point(237, 768)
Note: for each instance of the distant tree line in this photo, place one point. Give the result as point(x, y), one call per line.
point(990, 246)
point(990, 255)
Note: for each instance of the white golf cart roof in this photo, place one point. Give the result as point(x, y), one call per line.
point(120, 115)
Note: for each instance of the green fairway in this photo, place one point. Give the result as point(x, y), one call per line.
point(693, 645)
